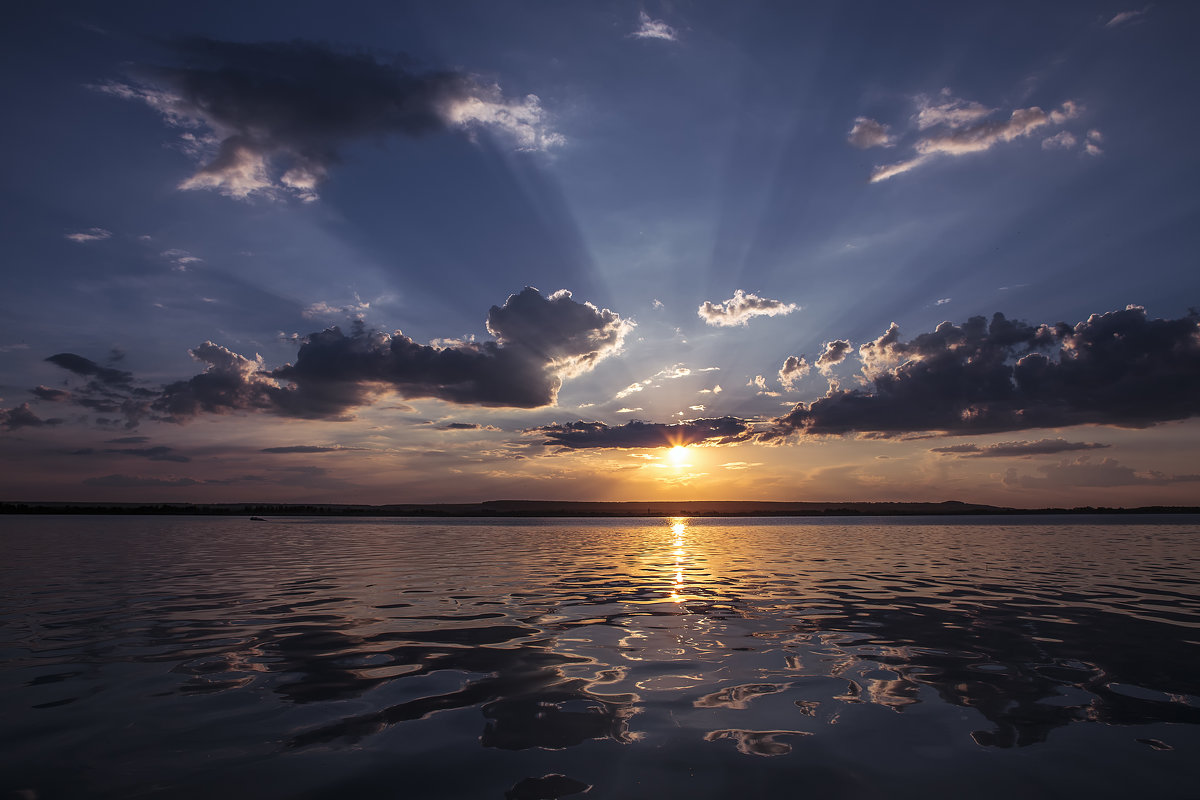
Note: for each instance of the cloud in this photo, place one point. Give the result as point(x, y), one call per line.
point(466, 426)
point(950, 126)
point(88, 368)
point(22, 416)
point(158, 453)
point(739, 309)
point(1126, 17)
point(793, 369)
point(952, 112)
point(48, 393)
point(867, 133)
point(1016, 449)
point(138, 481)
point(270, 118)
point(1063, 140)
point(1083, 472)
point(653, 29)
point(1118, 368)
point(356, 310)
point(639, 435)
point(90, 235)
point(835, 352)
point(943, 301)
point(306, 448)
point(539, 342)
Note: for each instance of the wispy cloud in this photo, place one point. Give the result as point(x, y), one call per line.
point(1016, 449)
point(653, 29)
point(950, 127)
point(270, 118)
point(1126, 17)
point(741, 308)
point(90, 235)
point(641, 435)
point(867, 133)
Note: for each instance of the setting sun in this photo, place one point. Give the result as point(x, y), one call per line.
point(678, 455)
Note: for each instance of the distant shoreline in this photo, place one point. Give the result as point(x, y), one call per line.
point(552, 508)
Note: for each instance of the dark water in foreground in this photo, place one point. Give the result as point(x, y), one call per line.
point(873, 658)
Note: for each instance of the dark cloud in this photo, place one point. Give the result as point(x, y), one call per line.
point(1118, 368)
point(90, 369)
point(107, 391)
point(140, 481)
point(539, 341)
point(53, 395)
point(22, 416)
point(1007, 449)
point(304, 448)
point(637, 434)
point(159, 453)
point(271, 117)
point(128, 440)
point(466, 426)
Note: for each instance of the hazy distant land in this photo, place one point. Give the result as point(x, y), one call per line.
point(558, 508)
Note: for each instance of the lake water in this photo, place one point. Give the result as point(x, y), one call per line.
point(643, 658)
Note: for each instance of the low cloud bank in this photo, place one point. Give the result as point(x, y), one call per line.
point(1118, 368)
point(539, 341)
point(638, 434)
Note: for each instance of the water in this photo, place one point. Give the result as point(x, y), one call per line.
point(699, 658)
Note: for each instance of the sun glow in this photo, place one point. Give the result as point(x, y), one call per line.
point(678, 456)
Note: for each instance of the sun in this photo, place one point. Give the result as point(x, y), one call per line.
point(677, 455)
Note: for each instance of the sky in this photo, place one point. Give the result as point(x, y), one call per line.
point(386, 252)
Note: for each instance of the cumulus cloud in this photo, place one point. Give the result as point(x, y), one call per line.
point(539, 342)
point(653, 29)
point(270, 118)
point(641, 435)
point(22, 416)
point(741, 308)
point(949, 126)
point(835, 352)
point(90, 235)
point(866, 133)
point(1118, 368)
point(1016, 449)
point(794, 368)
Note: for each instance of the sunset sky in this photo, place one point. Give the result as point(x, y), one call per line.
point(414, 252)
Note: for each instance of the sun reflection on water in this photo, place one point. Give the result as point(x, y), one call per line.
point(679, 529)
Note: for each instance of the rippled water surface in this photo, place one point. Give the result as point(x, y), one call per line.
point(690, 658)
